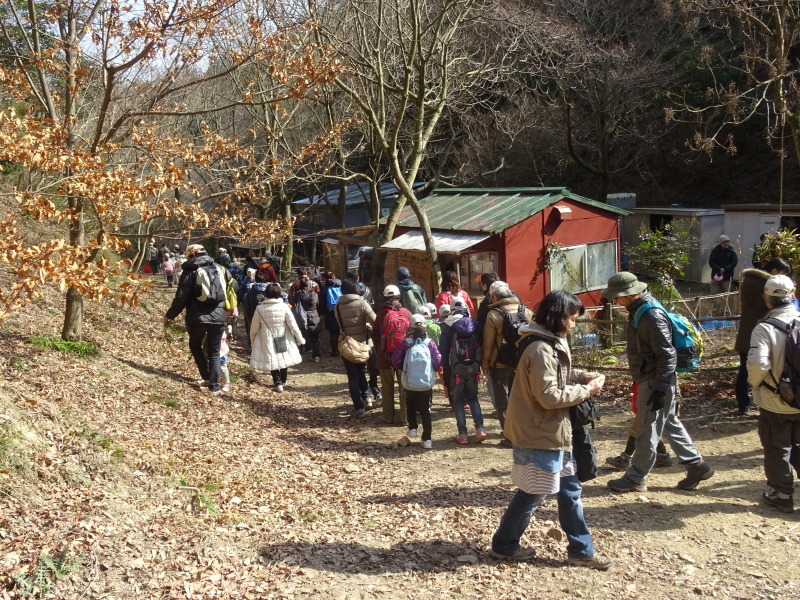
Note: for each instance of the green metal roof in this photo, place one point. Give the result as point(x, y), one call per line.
point(491, 209)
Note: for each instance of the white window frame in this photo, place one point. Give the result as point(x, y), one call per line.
point(560, 279)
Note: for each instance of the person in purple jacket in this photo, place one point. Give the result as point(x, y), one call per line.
point(419, 376)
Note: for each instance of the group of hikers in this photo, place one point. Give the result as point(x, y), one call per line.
point(543, 405)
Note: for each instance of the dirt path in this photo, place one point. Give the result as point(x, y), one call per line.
point(162, 491)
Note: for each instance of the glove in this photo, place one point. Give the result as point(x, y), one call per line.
point(656, 400)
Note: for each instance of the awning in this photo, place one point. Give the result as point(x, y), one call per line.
point(452, 242)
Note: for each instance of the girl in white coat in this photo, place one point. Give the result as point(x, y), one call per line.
point(275, 337)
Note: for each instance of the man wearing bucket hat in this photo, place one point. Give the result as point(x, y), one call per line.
point(722, 261)
point(652, 362)
point(778, 422)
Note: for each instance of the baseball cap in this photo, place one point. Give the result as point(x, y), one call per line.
point(458, 303)
point(779, 286)
point(403, 273)
point(425, 312)
point(444, 310)
point(417, 320)
point(496, 286)
point(391, 291)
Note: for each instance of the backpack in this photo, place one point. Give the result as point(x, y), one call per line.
point(332, 295)
point(208, 285)
point(269, 271)
point(685, 337)
point(508, 353)
point(788, 385)
point(393, 330)
point(300, 315)
point(418, 373)
point(168, 267)
point(465, 355)
point(411, 299)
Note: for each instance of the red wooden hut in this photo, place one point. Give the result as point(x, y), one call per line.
point(535, 239)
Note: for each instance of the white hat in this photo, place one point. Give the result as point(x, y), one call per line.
point(496, 286)
point(444, 310)
point(431, 308)
point(251, 270)
point(458, 303)
point(193, 249)
point(417, 320)
point(779, 286)
point(391, 291)
point(223, 251)
point(425, 312)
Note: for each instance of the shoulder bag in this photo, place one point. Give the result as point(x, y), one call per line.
point(350, 348)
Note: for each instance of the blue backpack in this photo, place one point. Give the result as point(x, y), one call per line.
point(685, 338)
point(418, 373)
point(332, 295)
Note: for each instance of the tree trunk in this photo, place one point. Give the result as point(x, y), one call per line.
point(72, 330)
point(288, 253)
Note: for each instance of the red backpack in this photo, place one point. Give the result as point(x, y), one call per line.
point(393, 330)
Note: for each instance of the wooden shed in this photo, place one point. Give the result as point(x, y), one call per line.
point(516, 233)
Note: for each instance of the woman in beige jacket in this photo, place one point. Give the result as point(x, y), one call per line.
point(538, 425)
point(355, 318)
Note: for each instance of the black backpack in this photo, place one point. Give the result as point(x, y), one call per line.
point(509, 353)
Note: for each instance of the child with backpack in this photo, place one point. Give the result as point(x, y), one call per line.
point(465, 359)
point(168, 267)
point(418, 359)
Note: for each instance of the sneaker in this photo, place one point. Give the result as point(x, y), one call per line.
point(411, 434)
point(663, 460)
point(427, 444)
point(592, 562)
point(278, 387)
point(770, 497)
point(621, 462)
point(226, 388)
point(376, 393)
point(480, 436)
point(694, 475)
point(521, 555)
point(626, 484)
point(316, 359)
point(461, 438)
point(360, 413)
point(201, 383)
point(368, 403)
point(216, 393)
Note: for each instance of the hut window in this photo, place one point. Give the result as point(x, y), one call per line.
point(479, 263)
point(582, 268)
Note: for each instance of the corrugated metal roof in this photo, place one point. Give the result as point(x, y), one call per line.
point(443, 241)
point(490, 209)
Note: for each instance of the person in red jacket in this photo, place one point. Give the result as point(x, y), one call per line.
point(391, 318)
point(452, 290)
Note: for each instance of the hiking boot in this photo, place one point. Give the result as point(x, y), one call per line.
point(694, 475)
point(480, 436)
point(621, 462)
point(520, 555)
point(626, 484)
point(592, 562)
point(462, 439)
point(663, 460)
point(427, 444)
point(770, 497)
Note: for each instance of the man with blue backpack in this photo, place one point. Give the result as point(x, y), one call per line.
point(652, 338)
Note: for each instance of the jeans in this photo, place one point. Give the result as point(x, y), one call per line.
point(467, 390)
point(279, 376)
point(419, 401)
point(372, 370)
point(208, 367)
point(570, 515)
point(651, 426)
point(743, 397)
point(502, 382)
point(780, 437)
point(356, 382)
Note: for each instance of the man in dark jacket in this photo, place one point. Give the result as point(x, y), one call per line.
point(651, 361)
point(405, 284)
point(722, 261)
point(223, 258)
point(202, 319)
point(751, 298)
